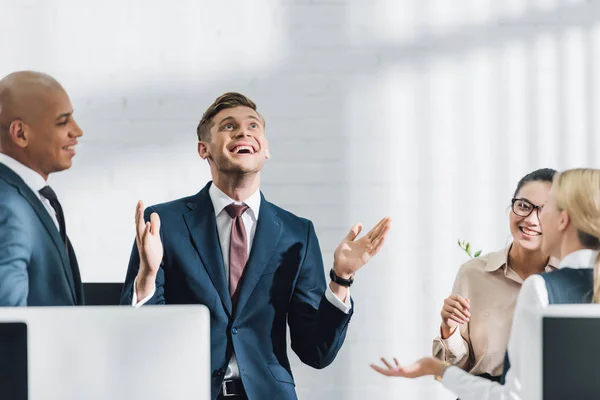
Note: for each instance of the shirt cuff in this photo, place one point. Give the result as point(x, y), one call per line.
point(455, 343)
point(339, 304)
point(134, 301)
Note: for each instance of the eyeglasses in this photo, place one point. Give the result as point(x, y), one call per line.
point(524, 208)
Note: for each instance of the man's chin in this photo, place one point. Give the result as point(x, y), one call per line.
point(63, 166)
point(243, 167)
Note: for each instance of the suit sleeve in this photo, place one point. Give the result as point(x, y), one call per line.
point(317, 327)
point(15, 254)
point(132, 271)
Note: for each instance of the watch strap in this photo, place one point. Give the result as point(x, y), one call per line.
point(340, 281)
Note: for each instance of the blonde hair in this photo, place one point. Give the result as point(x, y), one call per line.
point(577, 192)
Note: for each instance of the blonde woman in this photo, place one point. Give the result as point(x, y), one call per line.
point(571, 221)
point(477, 316)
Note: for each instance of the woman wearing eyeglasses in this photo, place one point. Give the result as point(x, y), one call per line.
point(571, 221)
point(476, 318)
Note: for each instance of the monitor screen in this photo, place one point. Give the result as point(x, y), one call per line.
point(13, 360)
point(102, 294)
point(571, 355)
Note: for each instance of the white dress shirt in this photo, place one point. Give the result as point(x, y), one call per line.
point(32, 179)
point(521, 383)
point(224, 222)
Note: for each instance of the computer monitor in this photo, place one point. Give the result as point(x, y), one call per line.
point(13, 360)
point(98, 353)
point(102, 293)
point(571, 352)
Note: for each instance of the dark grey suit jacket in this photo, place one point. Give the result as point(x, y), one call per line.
point(35, 267)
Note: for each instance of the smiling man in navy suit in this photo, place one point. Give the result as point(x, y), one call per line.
point(253, 264)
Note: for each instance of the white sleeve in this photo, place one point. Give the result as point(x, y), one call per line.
point(524, 343)
point(134, 301)
point(471, 387)
point(339, 304)
point(521, 383)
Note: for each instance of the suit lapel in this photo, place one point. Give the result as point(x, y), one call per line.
point(43, 215)
point(202, 225)
point(266, 238)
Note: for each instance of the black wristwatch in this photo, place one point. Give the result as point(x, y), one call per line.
point(340, 281)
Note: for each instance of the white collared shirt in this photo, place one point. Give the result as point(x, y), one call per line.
point(32, 179)
point(224, 222)
point(520, 383)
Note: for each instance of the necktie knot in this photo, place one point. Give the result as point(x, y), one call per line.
point(48, 193)
point(235, 210)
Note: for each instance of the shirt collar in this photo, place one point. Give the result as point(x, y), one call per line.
point(499, 260)
point(579, 259)
point(31, 178)
point(220, 200)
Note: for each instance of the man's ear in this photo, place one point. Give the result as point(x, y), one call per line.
point(203, 150)
point(18, 131)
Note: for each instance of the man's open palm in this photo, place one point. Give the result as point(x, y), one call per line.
point(148, 241)
point(352, 254)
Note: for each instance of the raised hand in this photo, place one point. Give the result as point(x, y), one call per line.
point(352, 254)
point(425, 366)
point(148, 243)
point(455, 311)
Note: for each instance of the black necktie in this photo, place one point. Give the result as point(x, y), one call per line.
point(49, 194)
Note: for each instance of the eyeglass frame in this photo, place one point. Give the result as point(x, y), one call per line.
point(533, 207)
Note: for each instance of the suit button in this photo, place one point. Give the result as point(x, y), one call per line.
point(234, 330)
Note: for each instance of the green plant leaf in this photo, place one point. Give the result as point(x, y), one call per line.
point(477, 253)
point(468, 248)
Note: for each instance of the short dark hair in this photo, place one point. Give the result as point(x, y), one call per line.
point(223, 102)
point(539, 175)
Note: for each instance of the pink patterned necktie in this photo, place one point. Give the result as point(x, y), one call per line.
point(238, 248)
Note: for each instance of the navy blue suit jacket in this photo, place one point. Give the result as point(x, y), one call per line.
point(283, 280)
point(35, 269)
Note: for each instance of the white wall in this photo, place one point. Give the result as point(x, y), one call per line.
point(426, 110)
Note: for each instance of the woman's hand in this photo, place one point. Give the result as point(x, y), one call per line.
point(425, 366)
point(455, 311)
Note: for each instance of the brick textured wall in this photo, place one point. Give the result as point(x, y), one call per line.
point(425, 110)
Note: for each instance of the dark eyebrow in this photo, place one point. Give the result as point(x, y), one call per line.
point(63, 115)
point(226, 119)
point(230, 118)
